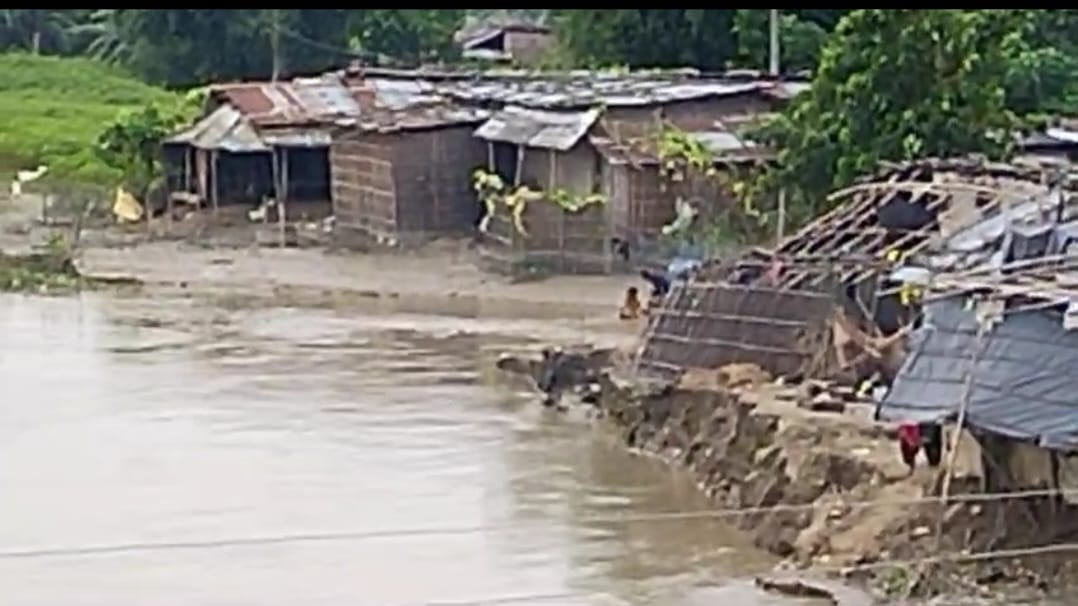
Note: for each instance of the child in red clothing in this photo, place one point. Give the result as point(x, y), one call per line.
point(912, 437)
point(909, 443)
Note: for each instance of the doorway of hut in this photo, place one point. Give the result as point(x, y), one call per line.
point(502, 161)
point(307, 185)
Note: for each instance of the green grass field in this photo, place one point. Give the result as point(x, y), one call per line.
point(52, 110)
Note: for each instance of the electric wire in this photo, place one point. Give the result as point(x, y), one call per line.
point(359, 535)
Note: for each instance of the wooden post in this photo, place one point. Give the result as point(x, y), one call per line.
point(215, 181)
point(168, 214)
point(552, 178)
point(780, 229)
point(517, 177)
point(188, 179)
point(520, 165)
point(282, 202)
point(276, 169)
point(952, 454)
point(434, 183)
point(552, 184)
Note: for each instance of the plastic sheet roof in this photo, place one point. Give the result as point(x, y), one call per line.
point(1023, 382)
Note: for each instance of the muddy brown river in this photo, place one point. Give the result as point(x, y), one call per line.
point(169, 452)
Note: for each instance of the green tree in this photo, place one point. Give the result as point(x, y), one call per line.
point(1043, 74)
point(406, 35)
point(896, 85)
point(131, 144)
point(180, 47)
point(36, 30)
point(648, 37)
point(98, 36)
point(801, 40)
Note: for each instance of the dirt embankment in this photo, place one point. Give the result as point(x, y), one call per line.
point(828, 490)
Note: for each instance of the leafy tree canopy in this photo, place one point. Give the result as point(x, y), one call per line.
point(896, 85)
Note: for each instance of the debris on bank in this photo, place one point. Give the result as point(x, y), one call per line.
point(823, 487)
point(38, 272)
point(818, 590)
point(49, 270)
point(936, 300)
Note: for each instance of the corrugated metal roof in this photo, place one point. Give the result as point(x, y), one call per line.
point(300, 101)
point(335, 94)
point(381, 95)
point(1066, 135)
point(297, 137)
point(725, 147)
point(414, 118)
point(477, 31)
point(482, 37)
point(1043, 139)
point(721, 142)
point(786, 90)
point(537, 128)
point(592, 90)
point(224, 129)
point(486, 54)
point(397, 94)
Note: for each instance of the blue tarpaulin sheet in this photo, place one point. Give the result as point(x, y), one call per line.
point(1024, 383)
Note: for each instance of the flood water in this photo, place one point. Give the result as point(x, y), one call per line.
point(169, 452)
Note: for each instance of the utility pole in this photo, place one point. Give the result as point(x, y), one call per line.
point(774, 68)
point(780, 228)
point(275, 42)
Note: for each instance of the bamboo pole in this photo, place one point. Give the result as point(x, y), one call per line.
point(963, 407)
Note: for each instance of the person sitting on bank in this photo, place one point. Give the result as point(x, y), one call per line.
point(630, 308)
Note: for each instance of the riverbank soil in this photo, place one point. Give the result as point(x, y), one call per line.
point(225, 259)
point(828, 489)
point(808, 474)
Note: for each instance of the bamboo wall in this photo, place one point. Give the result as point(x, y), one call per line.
point(408, 186)
point(708, 325)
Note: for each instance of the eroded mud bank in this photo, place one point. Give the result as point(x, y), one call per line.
point(825, 490)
